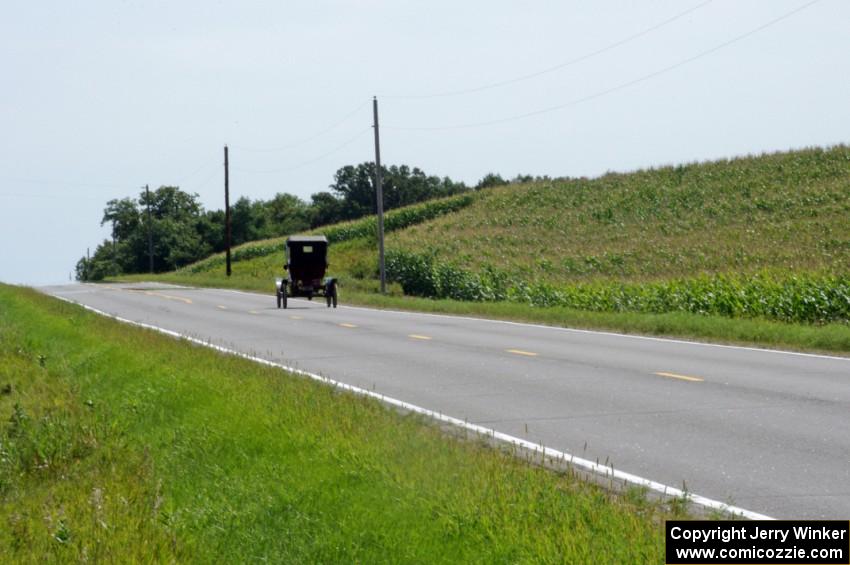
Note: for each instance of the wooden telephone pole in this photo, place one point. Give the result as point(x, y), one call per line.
point(227, 209)
point(380, 198)
point(150, 230)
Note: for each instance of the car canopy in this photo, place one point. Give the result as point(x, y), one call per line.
point(306, 256)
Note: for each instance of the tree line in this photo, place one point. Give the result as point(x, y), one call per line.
point(182, 232)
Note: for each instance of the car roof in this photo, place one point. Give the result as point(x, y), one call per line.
point(306, 239)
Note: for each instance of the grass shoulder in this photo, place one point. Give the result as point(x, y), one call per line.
point(121, 444)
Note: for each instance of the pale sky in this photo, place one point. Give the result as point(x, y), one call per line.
point(99, 98)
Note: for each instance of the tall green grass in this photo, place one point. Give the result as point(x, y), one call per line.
point(122, 445)
point(803, 298)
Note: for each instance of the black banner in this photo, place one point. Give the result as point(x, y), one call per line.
point(759, 542)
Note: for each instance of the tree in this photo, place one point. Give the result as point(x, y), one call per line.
point(247, 221)
point(128, 247)
point(174, 216)
point(175, 219)
point(355, 187)
point(183, 232)
point(171, 202)
point(520, 179)
point(325, 208)
point(404, 186)
point(210, 227)
point(490, 180)
point(401, 185)
point(102, 264)
point(123, 215)
point(286, 214)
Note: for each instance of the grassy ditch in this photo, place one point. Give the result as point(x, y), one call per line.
point(118, 444)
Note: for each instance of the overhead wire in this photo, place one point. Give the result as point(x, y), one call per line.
point(480, 88)
point(206, 165)
point(557, 67)
point(306, 140)
point(58, 182)
point(48, 195)
point(309, 161)
point(613, 89)
point(360, 106)
point(205, 181)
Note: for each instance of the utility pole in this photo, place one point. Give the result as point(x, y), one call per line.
point(379, 197)
point(227, 209)
point(114, 252)
point(150, 230)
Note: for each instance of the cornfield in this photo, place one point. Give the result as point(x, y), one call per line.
point(801, 298)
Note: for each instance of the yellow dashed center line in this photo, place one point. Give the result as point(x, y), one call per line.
point(344, 325)
point(680, 377)
point(416, 336)
point(168, 297)
point(220, 307)
point(521, 352)
point(296, 317)
point(253, 312)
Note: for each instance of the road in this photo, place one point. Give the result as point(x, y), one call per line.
point(763, 430)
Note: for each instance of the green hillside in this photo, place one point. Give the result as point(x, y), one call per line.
point(786, 211)
point(760, 237)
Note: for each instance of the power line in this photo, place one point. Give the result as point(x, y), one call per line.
point(205, 182)
point(308, 162)
point(557, 67)
point(49, 196)
point(208, 163)
point(59, 182)
point(330, 128)
point(616, 88)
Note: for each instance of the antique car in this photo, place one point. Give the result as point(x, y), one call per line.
point(305, 266)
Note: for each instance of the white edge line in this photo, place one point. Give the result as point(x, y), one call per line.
point(594, 467)
point(557, 328)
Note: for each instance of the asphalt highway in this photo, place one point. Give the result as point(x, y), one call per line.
point(763, 430)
